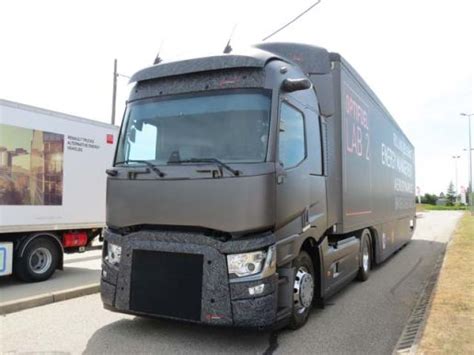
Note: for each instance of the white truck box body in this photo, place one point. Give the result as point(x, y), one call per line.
point(52, 169)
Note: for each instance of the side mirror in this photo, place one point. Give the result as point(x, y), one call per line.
point(111, 172)
point(291, 85)
point(138, 125)
point(282, 126)
point(131, 135)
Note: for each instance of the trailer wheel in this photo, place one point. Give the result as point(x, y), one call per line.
point(303, 290)
point(365, 256)
point(39, 261)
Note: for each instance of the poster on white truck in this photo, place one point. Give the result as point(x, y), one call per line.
point(31, 163)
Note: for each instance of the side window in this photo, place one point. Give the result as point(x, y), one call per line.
point(292, 146)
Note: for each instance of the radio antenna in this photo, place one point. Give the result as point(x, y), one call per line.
point(158, 59)
point(228, 47)
point(289, 23)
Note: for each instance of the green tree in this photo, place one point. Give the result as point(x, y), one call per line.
point(429, 199)
point(451, 195)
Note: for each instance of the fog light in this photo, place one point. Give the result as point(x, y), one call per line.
point(104, 274)
point(256, 290)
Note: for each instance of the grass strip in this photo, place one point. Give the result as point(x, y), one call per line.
point(450, 325)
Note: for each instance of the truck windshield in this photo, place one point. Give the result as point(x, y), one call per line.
point(231, 127)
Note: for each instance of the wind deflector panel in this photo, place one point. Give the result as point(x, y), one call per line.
point(311, 59)
point(167, 284)
point(257, 59)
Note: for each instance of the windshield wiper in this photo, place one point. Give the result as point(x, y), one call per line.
point(207, 160)
point(146, 162)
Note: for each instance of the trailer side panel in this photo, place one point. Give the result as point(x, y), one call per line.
point(378, 178)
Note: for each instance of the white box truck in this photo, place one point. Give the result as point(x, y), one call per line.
point(52, 187)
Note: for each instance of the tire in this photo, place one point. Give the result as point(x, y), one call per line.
point(39, 261)
point(303, 290)
point(365, 256)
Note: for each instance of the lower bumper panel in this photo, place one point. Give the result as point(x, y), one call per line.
point(172, 277)
point(255, 312)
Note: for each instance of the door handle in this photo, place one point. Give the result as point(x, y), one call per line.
point(280, 173)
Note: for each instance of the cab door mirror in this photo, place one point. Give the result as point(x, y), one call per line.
point(291, 85)
point(131, 135)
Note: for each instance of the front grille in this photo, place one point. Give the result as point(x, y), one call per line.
point(167, 284)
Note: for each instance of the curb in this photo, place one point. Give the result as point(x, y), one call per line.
point(47, 298)
point(414, 328)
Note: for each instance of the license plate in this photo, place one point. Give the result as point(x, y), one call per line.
point(6, 258)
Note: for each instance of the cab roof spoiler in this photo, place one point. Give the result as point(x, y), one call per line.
point(253, 59)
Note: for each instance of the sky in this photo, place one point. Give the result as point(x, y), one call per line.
point(12, 137)
point(417, 55)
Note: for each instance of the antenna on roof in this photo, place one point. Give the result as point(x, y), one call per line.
point(228, 47)
point(289, 23)
point(158, 59)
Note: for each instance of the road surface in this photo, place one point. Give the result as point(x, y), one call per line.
point(79, 269)
point(364, 318)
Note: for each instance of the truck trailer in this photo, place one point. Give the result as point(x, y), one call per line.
point(52, 187)
point(247, 188)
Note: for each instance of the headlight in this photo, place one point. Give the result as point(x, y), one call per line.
point(262, 262)
point(113, 254)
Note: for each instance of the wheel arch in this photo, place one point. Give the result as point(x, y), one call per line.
point(374, 240)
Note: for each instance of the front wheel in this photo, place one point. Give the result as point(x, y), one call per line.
point(39, 261)
point(303, 290)
point(365, 256)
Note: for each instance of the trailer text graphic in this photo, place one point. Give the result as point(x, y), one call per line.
point(80, 143)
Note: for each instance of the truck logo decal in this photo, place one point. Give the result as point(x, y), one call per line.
point(213, 317)
point(357, 127)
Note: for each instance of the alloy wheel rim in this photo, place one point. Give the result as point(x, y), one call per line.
point(303, 290)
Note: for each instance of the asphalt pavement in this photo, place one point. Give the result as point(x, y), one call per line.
point(364, 318)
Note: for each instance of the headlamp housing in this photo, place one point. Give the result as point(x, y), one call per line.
point(114, 253)
point(252, 263)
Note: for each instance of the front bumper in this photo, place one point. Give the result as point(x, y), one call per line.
point(223, 302)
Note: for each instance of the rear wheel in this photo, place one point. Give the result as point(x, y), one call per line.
point(365, 256)
point(303, 290)
point(39, 260)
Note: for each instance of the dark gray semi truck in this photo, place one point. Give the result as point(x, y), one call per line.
point(247, 188)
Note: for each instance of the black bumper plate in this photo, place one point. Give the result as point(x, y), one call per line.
point(167, 284)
